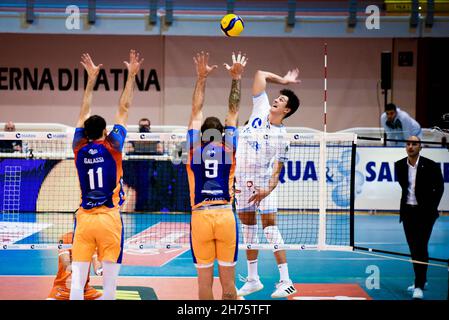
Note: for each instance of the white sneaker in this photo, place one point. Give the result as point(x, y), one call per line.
point(283, 289)
point(418, 294)
point(412, 287)
point(238, 297)
point(250, 286)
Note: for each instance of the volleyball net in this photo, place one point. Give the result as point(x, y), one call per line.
point(40, 194)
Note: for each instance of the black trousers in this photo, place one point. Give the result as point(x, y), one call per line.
point(418, 228)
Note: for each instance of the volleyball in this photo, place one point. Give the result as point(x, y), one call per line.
point(232, 25)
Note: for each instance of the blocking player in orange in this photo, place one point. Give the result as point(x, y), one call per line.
point(98, 160)
point(210, 168)
point(62, 283)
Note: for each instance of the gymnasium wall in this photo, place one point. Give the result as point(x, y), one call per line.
point(169, 77)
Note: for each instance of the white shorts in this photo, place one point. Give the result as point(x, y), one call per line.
point(245, 188)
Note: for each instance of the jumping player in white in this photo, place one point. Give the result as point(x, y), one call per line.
point(261, 154)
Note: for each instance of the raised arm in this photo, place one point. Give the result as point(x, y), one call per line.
point(236, 71)
point(92, 73)
point(202, 70)
point(262, 77)
point(133, 67)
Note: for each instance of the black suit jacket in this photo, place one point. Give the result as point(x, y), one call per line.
point(429, 185)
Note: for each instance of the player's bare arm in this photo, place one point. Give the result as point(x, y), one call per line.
point(92, 73)
point(235, 71)
point(203, 70)
point(133, 66)
point(262, 193)
point(262, 77)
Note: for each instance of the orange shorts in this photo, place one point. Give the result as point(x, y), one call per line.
point(214, 235)
point(99, 229)
point(63, 293)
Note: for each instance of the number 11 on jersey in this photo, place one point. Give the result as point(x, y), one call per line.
point(91, 175)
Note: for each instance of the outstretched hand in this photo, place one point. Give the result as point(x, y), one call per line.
point(91, 68)
point(292, 76)
point(202, 67)
point(134, 63)
point(238, 65)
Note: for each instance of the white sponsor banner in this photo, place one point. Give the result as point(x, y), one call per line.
point(375, 185)
point(379, 190)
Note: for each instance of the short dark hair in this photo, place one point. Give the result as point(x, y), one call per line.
point(292, 103)
point(212, 123)
point(94, 126)
point(390, 106)
point(146, 120)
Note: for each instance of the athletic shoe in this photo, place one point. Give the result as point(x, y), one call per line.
point(250, 286)
point(283, 289)
point(238, 297)
point(418, 294)
point(412, 287)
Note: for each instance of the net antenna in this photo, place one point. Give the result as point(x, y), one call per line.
point(325, 88)
point(322, 166)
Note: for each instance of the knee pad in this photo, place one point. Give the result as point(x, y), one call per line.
point(250, 234)
point(273, 236)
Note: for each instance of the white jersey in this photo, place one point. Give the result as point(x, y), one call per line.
point(260, 143)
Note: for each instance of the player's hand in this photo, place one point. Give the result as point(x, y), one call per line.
point(202, 65)
point(99, 271)
point(258, 195)
point(238, 65)
point(292, 76)
point(98, 268)
point(68, 269)
point(91, 68)
point(134, 63)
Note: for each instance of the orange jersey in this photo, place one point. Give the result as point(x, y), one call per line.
point(99, 167)
point(210, 169)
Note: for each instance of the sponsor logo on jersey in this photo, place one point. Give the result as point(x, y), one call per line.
point(257, 122)
point(211, 153)
point(214, 199)
point(96, 204)
point(254, 144)
point(93, 151)
point(212, 192)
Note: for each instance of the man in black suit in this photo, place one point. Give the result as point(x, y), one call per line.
point(422, 188)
